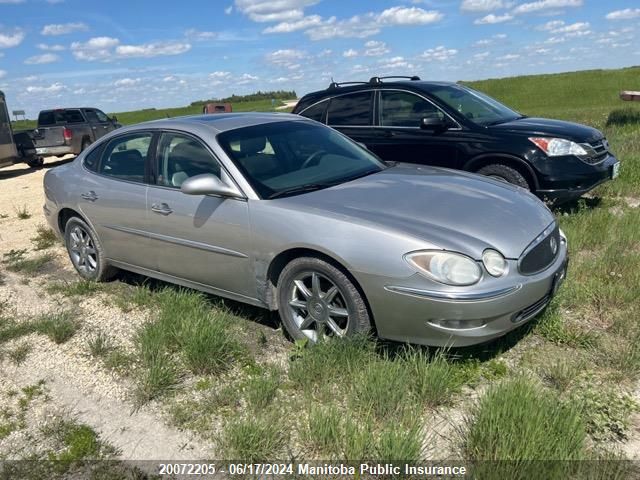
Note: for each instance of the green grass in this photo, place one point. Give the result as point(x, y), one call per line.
point(19, 353)
point(78, 288)
point(100, 345)
point(255, 439)
point(15, 261)
point(45, 238)
point(186, 330)
point(58, 326)
point(518, 421)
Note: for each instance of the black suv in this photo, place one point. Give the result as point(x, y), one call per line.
point(451, 125)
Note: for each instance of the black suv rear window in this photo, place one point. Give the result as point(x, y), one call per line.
point(351, 109)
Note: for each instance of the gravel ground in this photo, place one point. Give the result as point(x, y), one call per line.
point(76, 384)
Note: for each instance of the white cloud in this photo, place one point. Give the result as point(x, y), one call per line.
point(626, 14)
point(53, 88)
point(574, 27)
point(108, 48)
point(152, 49)
point(229, 10)
point(394, 64)
point(350, 53)
point(545, 5)
point(408, 16)
point(286, 58)
point(8, 40)
point(246, 78)
point(50, 48)
point(302, 24)
point(3, 73)
point(64, 28)
point(439, 53)
point(481, 5)
point(481, 56)
point(127, 82)
point(170, 78)
point(12, 1)
point(273, 10)
point(220, 74)
point(42, 59)
point(492, 19)
point(509, 57)
point(375, 48)
point(551, 25)
point(197, 35)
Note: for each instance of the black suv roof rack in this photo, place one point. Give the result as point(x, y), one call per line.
point(337, 85)
point(376, 80)
point(373, 81)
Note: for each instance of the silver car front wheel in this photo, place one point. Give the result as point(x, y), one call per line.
point(317, 300)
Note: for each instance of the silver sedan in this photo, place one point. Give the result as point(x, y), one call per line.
point(281, 212)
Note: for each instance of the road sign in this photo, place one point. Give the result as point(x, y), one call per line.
point(18, 113)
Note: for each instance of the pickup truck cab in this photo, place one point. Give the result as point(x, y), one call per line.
point(70, 130)
point(14, 147)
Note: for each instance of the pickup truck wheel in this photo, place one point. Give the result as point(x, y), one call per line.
point(36, 162)
point(86, 252)
point(317, 300)
point(504, 173)
point(85, 145)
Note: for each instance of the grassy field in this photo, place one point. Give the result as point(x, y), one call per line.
point(565, 387)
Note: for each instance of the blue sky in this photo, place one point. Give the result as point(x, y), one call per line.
point(124, 55)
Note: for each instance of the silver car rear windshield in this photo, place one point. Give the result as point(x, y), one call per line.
point(293, 157)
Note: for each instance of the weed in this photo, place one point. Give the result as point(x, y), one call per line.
point(398, 442)
point(59, 327)
point(605, 411)
point(22, 212)
point(323, 430)
point(45, 238)
point(19, 354)
point(555, 329)
point(623, 116)
point(72, 289)
point(100, 345)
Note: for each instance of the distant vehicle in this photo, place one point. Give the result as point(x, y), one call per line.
point(67, 131)
point(287, 214)
point(450, 125)
point(15, 147)
point(217, 108)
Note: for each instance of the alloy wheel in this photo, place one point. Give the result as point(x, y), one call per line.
point(318, 307)
point(82, 250)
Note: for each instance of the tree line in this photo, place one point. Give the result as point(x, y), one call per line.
point(252, 97)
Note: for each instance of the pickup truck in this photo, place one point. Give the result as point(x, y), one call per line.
point(15, 147)
point(70, 130)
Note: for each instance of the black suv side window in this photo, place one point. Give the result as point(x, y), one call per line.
point(317, 112)
point(404, 109)
point(125, 157)
point(351, 109)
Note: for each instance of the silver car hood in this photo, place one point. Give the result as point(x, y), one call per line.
point(452, 210)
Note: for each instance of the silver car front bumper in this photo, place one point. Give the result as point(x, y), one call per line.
point(439, 318)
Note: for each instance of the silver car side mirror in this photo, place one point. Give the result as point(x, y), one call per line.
point(208, 184)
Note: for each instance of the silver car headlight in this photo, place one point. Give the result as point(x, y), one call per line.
point(556, 147)
point(446, 267)
point(495, 263)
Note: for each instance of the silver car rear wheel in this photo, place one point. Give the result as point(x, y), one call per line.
point(82, 251)
point(85, 251)
point(317, 300)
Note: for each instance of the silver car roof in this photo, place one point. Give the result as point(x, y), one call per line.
point(220, 122)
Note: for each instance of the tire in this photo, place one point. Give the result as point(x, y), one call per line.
point(322, 317)
point(85, 144)
point(505, 173)
point(86, 252)
point(36, 162)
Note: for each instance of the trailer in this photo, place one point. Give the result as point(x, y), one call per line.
point(15, 147)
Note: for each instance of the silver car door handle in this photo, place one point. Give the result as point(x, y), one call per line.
point(162, 209)
point(94, 128)
point(91, 196)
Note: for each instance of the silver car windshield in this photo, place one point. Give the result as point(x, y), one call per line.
point(476, 106)
point(292, 157)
